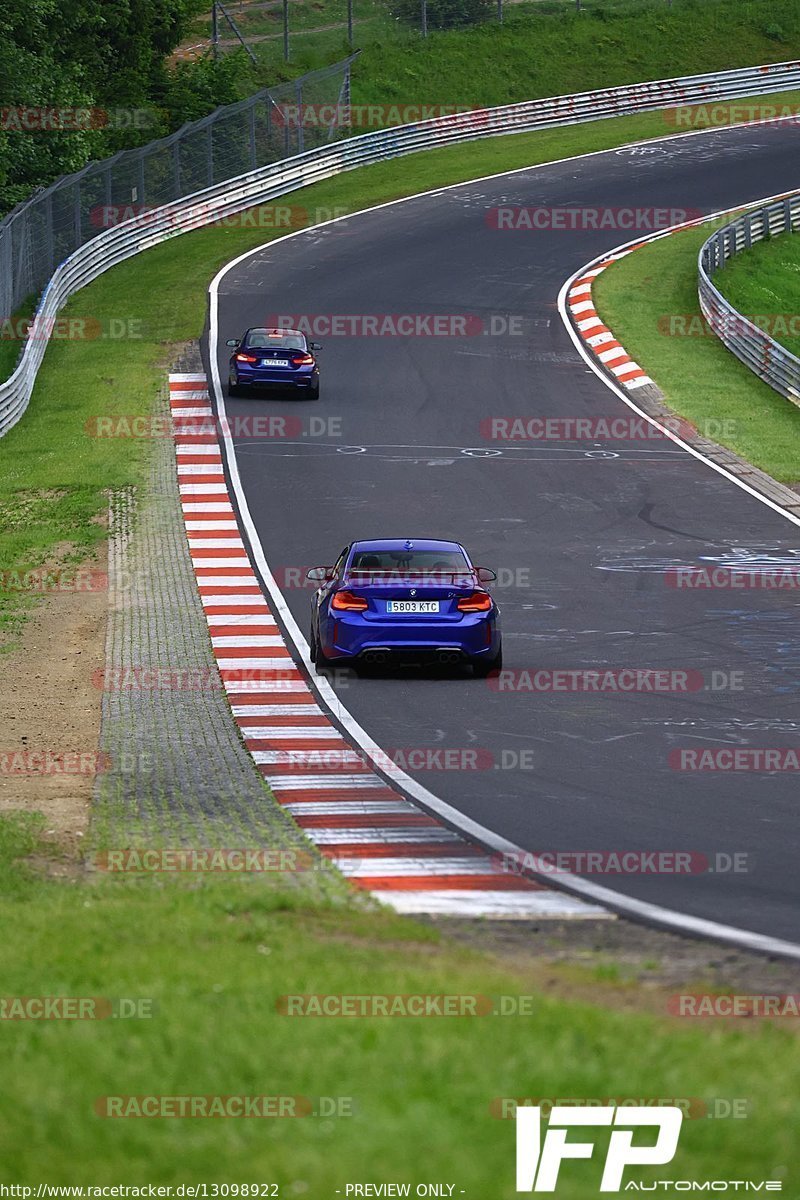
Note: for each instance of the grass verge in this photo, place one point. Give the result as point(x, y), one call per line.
point(543, 48)
point(214, 956)
point(764, 284)
point(650, 301)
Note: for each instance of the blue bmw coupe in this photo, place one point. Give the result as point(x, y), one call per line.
point(415, 601)
point(275, 359)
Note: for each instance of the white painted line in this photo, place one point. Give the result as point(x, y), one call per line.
point(252, 664)
point(380, 835)
point(292, 732)
point(237, 600)
point(354, 808)
point(248, 639)
point(235, 561)
point(497, 905)
point(324, 782)
point(273, 710)
point(355, 868)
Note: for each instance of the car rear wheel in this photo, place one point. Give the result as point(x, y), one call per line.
point(233, 388)
point(313, 392)
point(482, 667)
point(318, 657)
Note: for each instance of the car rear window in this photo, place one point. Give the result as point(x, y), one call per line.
point(285, 341)
point(405, 562)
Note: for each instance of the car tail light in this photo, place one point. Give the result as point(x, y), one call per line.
point(250, 358)
point(476, 602)
point(302, 360)
point(348, 602)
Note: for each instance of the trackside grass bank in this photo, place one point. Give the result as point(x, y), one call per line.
point(56, 474)
point(764, 284)
point(650, 301)
point(543, 48)
point(216, 974)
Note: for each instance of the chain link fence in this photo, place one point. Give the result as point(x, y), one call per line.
point(40, 233)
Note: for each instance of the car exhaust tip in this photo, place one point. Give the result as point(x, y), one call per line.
point(448, 657)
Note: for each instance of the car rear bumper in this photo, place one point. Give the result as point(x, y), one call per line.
point(473, 637)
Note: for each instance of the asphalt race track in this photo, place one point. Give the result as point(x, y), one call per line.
point(581, 531)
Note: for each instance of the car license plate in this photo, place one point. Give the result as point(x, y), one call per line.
point(412, 606)
point(274, 362)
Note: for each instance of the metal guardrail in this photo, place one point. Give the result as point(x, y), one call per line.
point(114, 245)
point(752, 345)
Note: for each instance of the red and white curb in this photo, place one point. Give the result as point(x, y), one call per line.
point(380, 840)
point(596, 334)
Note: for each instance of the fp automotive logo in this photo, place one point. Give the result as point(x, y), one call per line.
point(539, 1160)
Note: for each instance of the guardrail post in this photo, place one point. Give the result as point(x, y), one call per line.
point(748, 232)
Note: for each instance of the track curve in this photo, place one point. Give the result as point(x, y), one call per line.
point(583, 540)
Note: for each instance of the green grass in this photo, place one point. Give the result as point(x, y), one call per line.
point(215, 956)
point(764, 284)
point(56, 477)
point(649, 299)
point(542, 49)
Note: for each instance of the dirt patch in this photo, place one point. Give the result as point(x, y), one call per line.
point(622, 965)
point(50, 716)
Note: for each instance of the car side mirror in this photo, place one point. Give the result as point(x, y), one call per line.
point(485, 574)
point(315, 345)
point(232, 342)
point(319, 574)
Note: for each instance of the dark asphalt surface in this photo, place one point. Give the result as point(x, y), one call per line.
point(581, 540)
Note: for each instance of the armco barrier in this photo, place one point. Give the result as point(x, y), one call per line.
point(114, 245)
point(757, 350)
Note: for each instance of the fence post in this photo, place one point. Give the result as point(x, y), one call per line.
point(77, 216)
point(299, 95)
point(176, 168)
point(286, 30)
point(424, 17)
point(210, 154)
point(253, 160)
point(48, 233)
